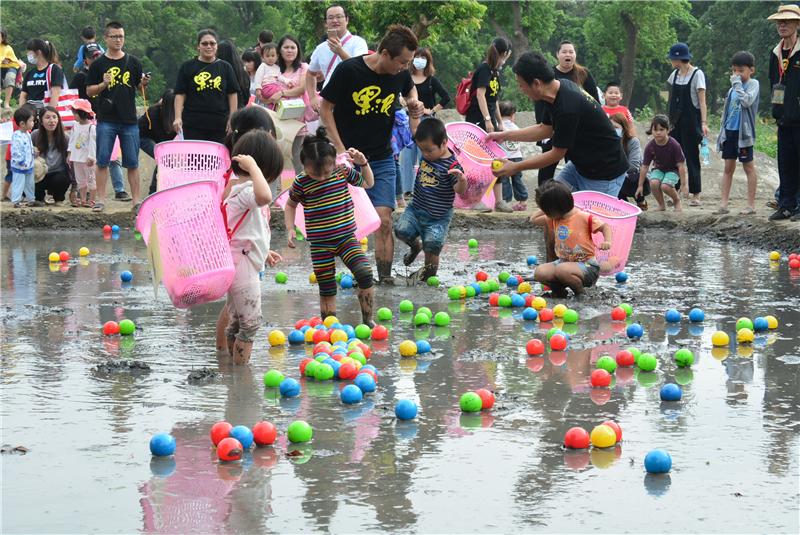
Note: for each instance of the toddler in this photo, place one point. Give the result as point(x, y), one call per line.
point(669, 165)
point(266, 78)
point(82, 150)
point(513, 185)
point(21, 162)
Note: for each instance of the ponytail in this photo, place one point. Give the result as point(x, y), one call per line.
point(46, 48)
point(317, 149)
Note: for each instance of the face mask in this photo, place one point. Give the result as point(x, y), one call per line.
point(31, 57)
point(420, 63)
point(619, 131)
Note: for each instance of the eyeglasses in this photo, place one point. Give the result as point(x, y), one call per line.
point(335, 17)
point(116, 37)
point(208, 43)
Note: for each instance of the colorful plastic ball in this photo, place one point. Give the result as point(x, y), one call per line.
point(311, 368)
point(83, 251)
point(720, 339)
point(618, 314)
point(330, 321)
point(338, 335)
point(532, 260)
point(114, 228)
point(487, 398)
point(358, 357)
point(607, 363)
point(672, 316)
point(276, 338)
point(312, 279)
point(351, 394)
point(545, 314)
point(774, 256)
point(517, 301)
point(53, 257)
point(320, 335)
point(406, 306)
point(348, 370)
point(625, 358)
point(433, 281)
point(323, 372)
point(273, 378)
point(570, 316)
point(696, 315)
point(760, 324)
point(530, 314)
point(600, 378)
point(472, 243)
point(494, 300)
point(647, 362)
point(503, 276)
point(219, 431)
point(423, 346)
point(481, 276)
point(615, 426)
point(454, 293)
point(299, 431)
point(745, 336)
point(379, 332)
point(493, 285)
point(559, 309)
point(315, 321)
point(408, 348)
point(244, 435)
point(634, 331)
point(363, 331)
point(794, 263)
point(296, 337)
point(110, 328)
point(106, 228)
point(289, 388)
point(229, 449)
point(441, 319)
point(621, 277)
point(365, 382)
point(470, 402)
point(576, 438)
point(534, 347)
point(504, 301)
point(772, 322)
point(281, 277)
point(657, 462)
point(162, 445)
point(671, 392)
point(524, 287)
point(405, 409)
point(384, 314)
point(127, 327)
point(512, 282)
point(471, 291)
point(558, 342)
point(744, 323)
point(420, 318)
point(627, 308)
point(603, 436)
point(264, 433)
point(683, 358)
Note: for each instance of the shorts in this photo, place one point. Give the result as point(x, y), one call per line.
point(590, 269)
point(9, 77)
point(385, 172)
point(570, 176)
point(323, 259)
point(731, 149)
point(670, 178)
point(244, 301)
point(415, 223)
point(128, 135)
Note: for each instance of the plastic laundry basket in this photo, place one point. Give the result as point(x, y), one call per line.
point(475, 154)
point(196, 261)
point(621, 217)
point(182, 162)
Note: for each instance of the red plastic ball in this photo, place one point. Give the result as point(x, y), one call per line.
point(110, 328)
point(576, 438)
point(625, 358)
point(487, 398)
point(107, 228)
point(365, 349)
point(494, 300)
point(347, 371)
point(546, 314)
point(314, 321)
point(794, 264)
point(264, 433)
point(219, 431)
point(370, 373)
point(600, 378)
point(323, 347)
point(615, 426)
point(520, 280)
point(337, 357)
point(481, 276)
point(558, 342)
point(379, 332)
point(229, 449)
point(63, 256)
point(529, 300)
point(303, 364)
point(300, 324)
point(321, 336)
point(618, 314)
point(534, 347)
point(792, 256)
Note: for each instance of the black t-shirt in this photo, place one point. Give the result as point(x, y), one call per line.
point(588, 85)
point(154, 129)
point(429, 89)
point(206, 86)
point(126, 73)
point(35, 83)
point(484, 76)
point(582, 127)
point(365, 103)
point(79, 82)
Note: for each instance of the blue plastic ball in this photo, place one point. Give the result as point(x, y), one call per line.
point(126, 276)
point(297, 337)
point(335, 365)
point(671, 392)
point(512, 282)
point(657, 462)
point(115, 228)
point(696, 315)
point(672, 316)
point(162, 445)
point(405, 409)
point(517, 301)
point(365, 382)
point(423, 346)
point(477, 288)
point(634, 330)
point(369, 367)
point(244, 435)
point(760, 324)
point(346, 282)
point(351, 394)
point(304, 328)
point(532, 260)
point(289, 388)
point(621, 277)
point(530, 314)
point(349, 331)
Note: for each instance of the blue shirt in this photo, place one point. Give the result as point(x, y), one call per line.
point(433, 189)
point(735, 112)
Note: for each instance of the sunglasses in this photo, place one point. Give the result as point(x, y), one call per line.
point(208, 43)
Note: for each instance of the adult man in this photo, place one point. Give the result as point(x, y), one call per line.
point(113, 78)
point(577, 126)
point(358, 107)
point(341, 45)
point(784, 77)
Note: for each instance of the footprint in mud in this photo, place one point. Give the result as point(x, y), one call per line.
point(134, 367)
point(201, 376)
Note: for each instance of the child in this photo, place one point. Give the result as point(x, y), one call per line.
point(330, 226)
point(669, 165)
point(513, 184)
point(88, 37)
point(268, 72)
point(423, 226)
point(568, 234)
point(22, 158)
point(737, 133)
point(613, 96)
point(256, 160)
point(82, 150)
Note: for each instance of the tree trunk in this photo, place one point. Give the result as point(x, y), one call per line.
point(519, 41)
point(629, 57)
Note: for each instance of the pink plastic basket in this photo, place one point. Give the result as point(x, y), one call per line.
point(475, 154)
point(182, 162)
point(621, 217)
point(196, 262)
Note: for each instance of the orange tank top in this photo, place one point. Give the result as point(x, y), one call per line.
point(573, 236)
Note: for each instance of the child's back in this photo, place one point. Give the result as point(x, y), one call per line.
point(573, 234)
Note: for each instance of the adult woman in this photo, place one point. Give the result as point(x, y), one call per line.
point(206, 93)
point(9, 66)
point(251, 61)
point(428, 89)
point(226, 51)
point(633, 150)
point(567, 68)
point(47, 76)
point(155, 126)
point(289, 85)
point(484, 110)
point(52, 145)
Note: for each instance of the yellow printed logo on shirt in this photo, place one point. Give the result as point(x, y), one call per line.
point(427, 176)
point(367, 101)
point(116, 79)
point(204, 81)
point(494, 87)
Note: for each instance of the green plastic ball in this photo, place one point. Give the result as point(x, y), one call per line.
point(273, 378)
point(504, 301)
point(137, 235)
point(485, 287)
point(321, 358)
point(551, 332)
point(470, 291)
point(359, 357)
point(363, 332)
point(311, 368)
point(425, 310)
point(470, 402)
point(744, 323)
point(323, 372)
point(299, 431)
point(339, 277)
point(454, 293)
point(442, 319)
point(472, 243)
point(406, 306)
point(126, 327)
point(384, 314)
point(684, 358)
point(627, 308)
point(606, 363)
point(647, 362)
point(493, 285)
point(570, 316)
point(281, 277)
point(636, 354)
point(420, 318)
point(504, 276)
point(433, 281)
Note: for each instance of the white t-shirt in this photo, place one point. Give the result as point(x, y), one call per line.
point(266, 72)
point(82, 142)
point(511, 147)
point(253, 233)
point(322, 56)
point(699, 82)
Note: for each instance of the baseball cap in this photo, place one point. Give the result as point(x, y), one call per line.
point(92, 51)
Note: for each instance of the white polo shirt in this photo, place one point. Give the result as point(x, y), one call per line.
point(322, 56)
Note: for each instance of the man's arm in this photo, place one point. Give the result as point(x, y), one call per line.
point(311, 89)
point(536, 162)
point(326, 114)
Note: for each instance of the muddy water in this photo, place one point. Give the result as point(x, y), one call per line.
point(733, 438)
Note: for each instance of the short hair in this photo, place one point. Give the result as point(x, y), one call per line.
point(533, 66)
point(113, 25)
point(344, 10)
point(317, 149)
point(555, 199)
point(88, 32)
point(507, 108)
point(265, 36)
point(247, 119)
point(432, 130)
point(298, 59)
point(397, 38)
point(612, 84)
point(743, 58)
point(204, 32)
point(22, 114)
point(269, 46)
point(251, 56)
point(264, 150)
point(660, 120)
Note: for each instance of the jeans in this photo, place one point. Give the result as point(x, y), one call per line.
point(115, 170)
point(148, 146)
point(128, 134)
point(788, 167)
point(409, 157)
point(22, 183)
point(571, 177)
point(514, 186)
point(385, 172)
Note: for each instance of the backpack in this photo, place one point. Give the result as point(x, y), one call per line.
point(464, 95)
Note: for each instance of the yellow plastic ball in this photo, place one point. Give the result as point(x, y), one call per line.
point(53, 257)
point(330, 320)
point(312, 279)
point(462, 291)
point(345, 360)
point(408, 348)
point(745, 336)
point(603, 436)
point(772, 322)
point(524, 287)
point(558, 310)
point(338, 335)
point(720, 339)
point(539, 303)
point(719, 353)
point(775, 256)
point(354, 345)
point(83, 251)
point(276, 338)
point(364, 241)
point(310, 336)
point(497, 164)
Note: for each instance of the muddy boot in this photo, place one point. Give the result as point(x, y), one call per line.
point(412, 254)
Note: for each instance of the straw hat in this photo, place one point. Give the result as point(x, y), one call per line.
point(39, 169)
point(786, 12)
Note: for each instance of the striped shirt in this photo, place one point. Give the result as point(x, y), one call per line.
point(327, 204)
point(433, 190)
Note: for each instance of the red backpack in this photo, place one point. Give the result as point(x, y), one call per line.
point(464, 94)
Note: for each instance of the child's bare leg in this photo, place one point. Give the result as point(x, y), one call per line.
point(673, 194)
point(242, 351)
point(81, 196)
point(570, 275)
point(727, 181)
point(327, 306)
point(91, 197)
point(550, 244)
point(222, 325)
point(366, 299)
point(546, 274)
point(752, 182)
point(431, 265)
point(655, 189)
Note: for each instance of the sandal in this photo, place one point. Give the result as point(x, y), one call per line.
point(98, 207)
point(720, 211)
point(695, 202)
point(748, 211)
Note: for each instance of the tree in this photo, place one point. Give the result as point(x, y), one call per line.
point(528, 25)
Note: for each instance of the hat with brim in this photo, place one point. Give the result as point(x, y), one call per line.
point(679, 51)
point(787, 12)
point(83, 105)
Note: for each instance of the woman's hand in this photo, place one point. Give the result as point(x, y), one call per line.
point(605, 246)
point(273, 258)
point(356, 156)
point(639, 192)
point(489, 126)
point(177, 125)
